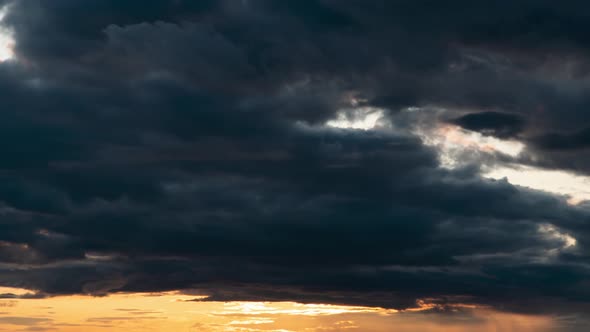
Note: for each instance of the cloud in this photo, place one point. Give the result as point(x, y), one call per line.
point(555, 141)
point(184, 146)
point(502, 125)
point(23, 321)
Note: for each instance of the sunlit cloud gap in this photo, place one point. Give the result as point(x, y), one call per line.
point(575, 187)
point(363, 118)
point(452, 142)
point(7, 42)
point(551, 232)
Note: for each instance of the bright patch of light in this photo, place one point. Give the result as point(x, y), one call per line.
point(553, 233)
point(98, 257)
point(15, 291)
point(575, 187)
point(295, 309)
point(452, 141)
point(364, 118)
point(6, 39)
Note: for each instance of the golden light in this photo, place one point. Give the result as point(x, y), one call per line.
point(174, 311)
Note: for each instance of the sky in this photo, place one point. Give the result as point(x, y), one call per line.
point(294, 165)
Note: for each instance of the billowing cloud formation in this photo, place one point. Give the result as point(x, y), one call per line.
point(183, 145)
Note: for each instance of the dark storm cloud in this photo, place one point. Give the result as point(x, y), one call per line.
point(555, 141)
point(502, 125)
point(179, 145)
point(561, 149)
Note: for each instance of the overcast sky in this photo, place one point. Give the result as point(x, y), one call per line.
point(420, 161)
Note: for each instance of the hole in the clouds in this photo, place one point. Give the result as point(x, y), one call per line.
point(6, 38)
point(575, 187)
point(453, 143)
point(363, 118)
point(552, 233)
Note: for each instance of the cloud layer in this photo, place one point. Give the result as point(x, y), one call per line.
point(183, 145)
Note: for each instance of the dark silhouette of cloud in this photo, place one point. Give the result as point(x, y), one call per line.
point(502, 125)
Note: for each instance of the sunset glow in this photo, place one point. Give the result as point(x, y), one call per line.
point(173, 311)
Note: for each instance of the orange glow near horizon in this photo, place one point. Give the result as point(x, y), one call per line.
point(173, 311)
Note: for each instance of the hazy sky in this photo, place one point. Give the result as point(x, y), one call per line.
point(294, 165)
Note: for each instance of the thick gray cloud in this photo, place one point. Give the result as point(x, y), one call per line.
point(180, 145)
point(503, 125)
